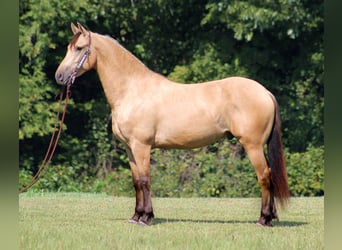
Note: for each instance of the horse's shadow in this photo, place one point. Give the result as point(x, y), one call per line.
point(275, 223)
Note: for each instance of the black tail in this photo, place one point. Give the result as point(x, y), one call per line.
point(277, 161)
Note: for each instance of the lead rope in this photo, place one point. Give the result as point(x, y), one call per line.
point(52, 146)
point(53, 142)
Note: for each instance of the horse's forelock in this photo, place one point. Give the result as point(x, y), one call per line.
point(74, 39)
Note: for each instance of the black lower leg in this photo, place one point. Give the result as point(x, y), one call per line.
point(148, 215)
point(139, 203)
point(265, 218)
point(266, 214)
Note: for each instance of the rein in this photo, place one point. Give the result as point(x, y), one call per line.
point(54, 141)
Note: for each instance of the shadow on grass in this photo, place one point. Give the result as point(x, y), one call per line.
point(275, 223)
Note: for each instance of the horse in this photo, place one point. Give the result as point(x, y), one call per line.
point(150, 111)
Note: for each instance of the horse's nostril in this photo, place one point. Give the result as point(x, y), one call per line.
point(59, 77)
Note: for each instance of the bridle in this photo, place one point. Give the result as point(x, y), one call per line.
point(81, 62)
point(54, 141)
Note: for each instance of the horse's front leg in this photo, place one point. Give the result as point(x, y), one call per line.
point(139, 159)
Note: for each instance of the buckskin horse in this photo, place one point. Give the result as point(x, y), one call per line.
point(150, 111)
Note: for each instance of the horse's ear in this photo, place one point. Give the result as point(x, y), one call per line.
point(82, 29)
point(74, 28)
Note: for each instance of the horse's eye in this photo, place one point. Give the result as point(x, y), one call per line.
point(79, 48)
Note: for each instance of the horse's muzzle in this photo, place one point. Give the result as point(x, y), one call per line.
point(65, 79)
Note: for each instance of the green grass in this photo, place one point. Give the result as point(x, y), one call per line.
point(97, 221)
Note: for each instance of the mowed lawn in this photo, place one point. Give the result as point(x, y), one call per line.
point(97, 221)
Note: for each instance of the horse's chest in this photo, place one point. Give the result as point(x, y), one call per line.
point(128, 128)
point(118, 130)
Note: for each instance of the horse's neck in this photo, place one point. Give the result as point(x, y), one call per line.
point(117, 68)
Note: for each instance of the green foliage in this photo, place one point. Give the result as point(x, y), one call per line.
point(35, 112)
point(278, 43)
point(117, 183)
point(245, 18)
point(306, 172)
point(207, 64)
point(208, 172)
point(215, 171)
point(218, 172)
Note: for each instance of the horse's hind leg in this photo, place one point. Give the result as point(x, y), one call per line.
point(258, 160)
point(139, 158)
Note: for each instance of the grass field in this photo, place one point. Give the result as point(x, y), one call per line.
point(97, 221)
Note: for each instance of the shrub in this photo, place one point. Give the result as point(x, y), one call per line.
point(306, 172)
point(212, 171)
point(223, 173)
point(218, 170)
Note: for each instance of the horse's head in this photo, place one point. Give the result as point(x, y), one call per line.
point(78, 58)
